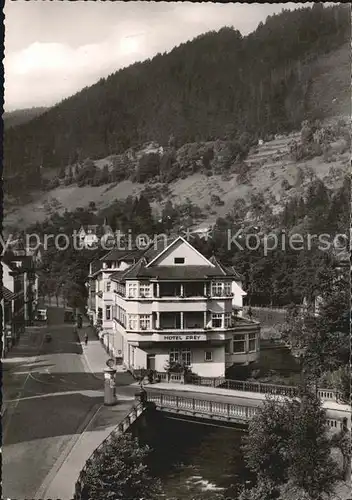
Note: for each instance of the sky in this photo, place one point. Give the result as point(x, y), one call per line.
point(53, 49)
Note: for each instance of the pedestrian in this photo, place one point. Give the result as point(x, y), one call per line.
point(86, 339)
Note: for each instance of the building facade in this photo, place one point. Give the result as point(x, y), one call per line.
point(20, 294)
point(170, 304)
point(101, 291)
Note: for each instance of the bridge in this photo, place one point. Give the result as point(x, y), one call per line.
point(236, 404)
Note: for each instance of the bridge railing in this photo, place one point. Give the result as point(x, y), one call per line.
point(201, 406)
point(246, 386)
point(80, 490)
point(262, 388)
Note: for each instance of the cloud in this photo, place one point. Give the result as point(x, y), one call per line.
point(45, 65)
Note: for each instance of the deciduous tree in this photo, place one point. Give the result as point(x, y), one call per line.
point(119, 471)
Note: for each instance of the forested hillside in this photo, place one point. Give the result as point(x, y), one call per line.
point(21, 116)
point(218, 86)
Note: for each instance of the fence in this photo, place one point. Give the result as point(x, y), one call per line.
point(135, 412)
point(229, 411)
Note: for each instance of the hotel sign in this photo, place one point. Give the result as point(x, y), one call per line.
point(177, 338)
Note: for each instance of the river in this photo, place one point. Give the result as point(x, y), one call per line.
point(198, 461)
point(194, 460)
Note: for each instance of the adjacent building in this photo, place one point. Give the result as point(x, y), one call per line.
point(19, 296)
point(170, 304)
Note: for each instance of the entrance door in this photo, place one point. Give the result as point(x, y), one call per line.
point(150, 361)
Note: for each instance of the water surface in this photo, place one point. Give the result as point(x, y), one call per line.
point(195, 460)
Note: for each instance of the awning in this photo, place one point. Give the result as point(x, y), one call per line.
point(7, 294)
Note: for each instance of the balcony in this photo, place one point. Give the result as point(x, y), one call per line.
point(175, 292)
point(181, 290)
point(181, 321)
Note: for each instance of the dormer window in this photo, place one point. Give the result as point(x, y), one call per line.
point(132, 290)
point(179, 260)
point(145, 290)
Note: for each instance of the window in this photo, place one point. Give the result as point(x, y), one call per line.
point(179, 260)
point(121, 315)
point(180, 356)
point(239, 343)
point(132, 290)
point(227, 288)
point(208, 356)
point(108, 286)
point(144, 321)
point(251, 342)
point(145, 290)
point(174, 356)
point(132, 322)
point(216, 289)
point(108, 313)
point(227, 320)
point(186, 356)
point(216, 320)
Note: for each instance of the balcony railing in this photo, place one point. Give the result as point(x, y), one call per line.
point(184, 296)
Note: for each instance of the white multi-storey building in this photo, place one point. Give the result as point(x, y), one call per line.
point(101, 291)
point(172, 305)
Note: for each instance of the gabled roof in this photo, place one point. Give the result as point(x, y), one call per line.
point(158, 246)
point(9, 263)
point(132, 272)
point(139, 270)
point(116, 254)
point(96, 266)
point(227, 271)
point(169, 245)
point(115, 276)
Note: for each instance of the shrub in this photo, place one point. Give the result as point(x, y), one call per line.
point(215, 200)
point(148, 167)
point(242, 171)
point(119, 471)
point(285, 185)
point(68, 181)
point(53, 184)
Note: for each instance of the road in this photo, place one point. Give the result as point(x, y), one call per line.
point(49, 396)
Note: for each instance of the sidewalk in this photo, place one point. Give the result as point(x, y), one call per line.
point(94, 353)
point(60, 482)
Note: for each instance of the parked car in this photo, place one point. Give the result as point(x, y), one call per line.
point(41, 315)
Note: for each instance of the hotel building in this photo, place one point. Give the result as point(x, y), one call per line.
point(170, 304)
